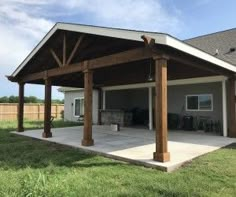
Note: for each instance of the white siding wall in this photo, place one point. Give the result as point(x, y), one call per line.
point(69, 105)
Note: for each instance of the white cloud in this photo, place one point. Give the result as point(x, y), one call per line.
point(24, 22)
point(20, 31)
point(138, 14)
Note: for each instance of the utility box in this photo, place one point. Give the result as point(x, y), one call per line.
point(115, 127)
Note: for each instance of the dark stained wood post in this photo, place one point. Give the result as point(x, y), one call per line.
point(99, 106)
point(47, 109)
point(232, 126)
point(161, 153)
point(20, 109)
point(88, 101)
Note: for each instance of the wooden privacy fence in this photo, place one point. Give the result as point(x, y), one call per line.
point(32, 111)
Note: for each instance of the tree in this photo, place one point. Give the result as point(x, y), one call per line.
point(13, 99)
point(57, 101)
point(32, 99)
point(4, 99)
point(29, 99)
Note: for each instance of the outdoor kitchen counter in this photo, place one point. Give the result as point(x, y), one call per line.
point(121, 117)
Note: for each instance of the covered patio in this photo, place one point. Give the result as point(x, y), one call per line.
point(136, 145)
point(91, 57)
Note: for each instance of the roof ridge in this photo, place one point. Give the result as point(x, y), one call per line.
point(209, 34)
point(115, 28)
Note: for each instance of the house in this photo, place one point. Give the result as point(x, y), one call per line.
point(126, 75)
point(198, 97)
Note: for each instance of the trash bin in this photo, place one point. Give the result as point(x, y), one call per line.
point(188, 123)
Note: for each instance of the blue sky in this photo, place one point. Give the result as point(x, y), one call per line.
point(23, 23)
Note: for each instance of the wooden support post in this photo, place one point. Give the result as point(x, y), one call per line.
point(150, 125)
point(20, 110)
point(47, 109)
point(224, 108)
point(88, 101)
point(232, 126)
point(161, 153)
point(104, 99)
point(99, 106)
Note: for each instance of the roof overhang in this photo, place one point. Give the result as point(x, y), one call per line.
point(160, 38)
point(69, 89)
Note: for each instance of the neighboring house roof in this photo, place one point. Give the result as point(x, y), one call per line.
point(220, 44)
point(160, 38)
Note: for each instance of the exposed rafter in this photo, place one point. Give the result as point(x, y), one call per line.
point(110, 60)
point(56, 58)
point(64, 50)
point(66, 61)
point(75, 49)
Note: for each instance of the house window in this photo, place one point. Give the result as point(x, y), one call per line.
point(79, 106)
point(201, 102)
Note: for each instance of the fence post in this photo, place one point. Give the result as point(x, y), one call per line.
point(56, 111)
point(38, 111)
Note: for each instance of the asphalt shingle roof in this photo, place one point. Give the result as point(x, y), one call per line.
point(222, 41)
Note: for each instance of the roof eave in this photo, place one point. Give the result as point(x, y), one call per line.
point(160, 38)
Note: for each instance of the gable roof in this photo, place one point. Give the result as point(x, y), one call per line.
point(160, 38)
point(220, 44)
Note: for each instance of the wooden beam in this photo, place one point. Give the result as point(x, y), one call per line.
point(120, 58)
point(10, 78)
point(64, 50)
point(75, 49)
point(52, 73)
point(110, 60)
point(88, 103)
point(56, 58)
point(148, 41)
point(47, 109)
point(232, 125)
point(161, 153)
point(20, 110)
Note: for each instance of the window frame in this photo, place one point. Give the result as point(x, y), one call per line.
point(198, 95)
point(77, 98)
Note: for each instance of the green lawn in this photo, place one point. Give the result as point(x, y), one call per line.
point(30, 167)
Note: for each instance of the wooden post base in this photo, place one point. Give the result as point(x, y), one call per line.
point(232, 135)
point(20, 129)
point(162, 157)
point(47, 134)
point(87, 142)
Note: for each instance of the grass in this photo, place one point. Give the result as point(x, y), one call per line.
point(30, 167)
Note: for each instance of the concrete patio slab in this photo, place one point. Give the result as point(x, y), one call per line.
point(137, 145)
